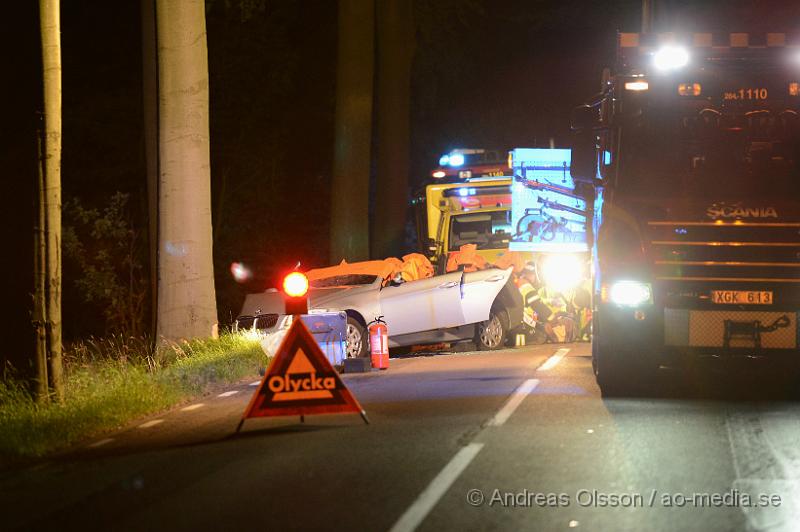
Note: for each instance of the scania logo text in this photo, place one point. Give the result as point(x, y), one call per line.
point(720, 210)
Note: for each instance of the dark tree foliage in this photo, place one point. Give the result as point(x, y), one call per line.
point(271, 77)
point(105, 257)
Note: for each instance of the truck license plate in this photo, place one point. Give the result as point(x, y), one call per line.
point(741, 297)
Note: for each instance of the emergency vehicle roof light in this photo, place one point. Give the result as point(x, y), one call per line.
point(444, 159)
point(456, 159)
point(671, 58)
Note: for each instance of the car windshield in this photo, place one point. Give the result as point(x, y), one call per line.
point(490, 230)
point(705, 147)
point(343, 280)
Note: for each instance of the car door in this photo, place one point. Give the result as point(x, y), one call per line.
point(422, 305)
point(479, 291)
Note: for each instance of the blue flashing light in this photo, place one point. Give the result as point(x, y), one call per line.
point(606, 157)
point(463, 192)
point(443, 160)
point(456, 159)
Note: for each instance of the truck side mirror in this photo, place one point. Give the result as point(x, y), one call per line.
point(582, 117)
point(583, 165)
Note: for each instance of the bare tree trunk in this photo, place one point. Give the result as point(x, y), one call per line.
point(42, 388)
point(49, 16)
point(353, 132)
point(186, 299)
point(395, 38)
point(150, 128)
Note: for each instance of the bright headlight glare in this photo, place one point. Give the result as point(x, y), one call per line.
point(671, 58)
point(456, 159)
point(562, 272)
point(638, 85)
point(629, 293)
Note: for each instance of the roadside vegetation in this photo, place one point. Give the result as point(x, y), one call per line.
point(113, 381)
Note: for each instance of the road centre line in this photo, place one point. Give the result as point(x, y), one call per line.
point(551, 362)
point(513, 402)
point(255, 383)
point(430, 496)
point(100, 443)
point(192, 407)
point(228, 394)
point(422, 506)
point(151, 423)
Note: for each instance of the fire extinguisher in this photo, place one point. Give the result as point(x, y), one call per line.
point(379, 343)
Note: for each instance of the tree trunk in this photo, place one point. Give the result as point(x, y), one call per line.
point(150, 134)
point(186, 299)
point(395, 52)
point(353, 132)
point(41, 390)
point(49, 17)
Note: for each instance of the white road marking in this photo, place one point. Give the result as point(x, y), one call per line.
point(422, 506)
point(101, 442)
point(513, 402)
point(765, 461)
point(255, 383)
point(551, 362)
point(192, 407)
point(151, 423)
point(430, 496)
point(228, 394)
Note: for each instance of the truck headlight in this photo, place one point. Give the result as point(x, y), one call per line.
point(562, 272)
point(628, 293)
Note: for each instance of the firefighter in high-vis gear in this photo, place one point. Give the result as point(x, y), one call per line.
point(561, 315)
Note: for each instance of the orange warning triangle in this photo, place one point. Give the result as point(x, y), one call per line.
point(300, 381)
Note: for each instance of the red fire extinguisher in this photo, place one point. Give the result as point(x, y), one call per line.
point(379, 343)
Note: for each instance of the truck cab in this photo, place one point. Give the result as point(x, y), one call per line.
point(477, 211)
point(693, 148)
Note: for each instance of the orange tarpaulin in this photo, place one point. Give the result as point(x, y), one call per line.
point(413, 266)
point(514, 259)
point(466, 256)
point(381, 268)
point(416, 266)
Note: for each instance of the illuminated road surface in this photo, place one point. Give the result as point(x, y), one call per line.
point(517, 439)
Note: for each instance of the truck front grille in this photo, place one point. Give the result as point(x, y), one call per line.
point(729, 251)
point(730, 329)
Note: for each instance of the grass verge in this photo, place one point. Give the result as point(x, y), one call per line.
point(105, 390)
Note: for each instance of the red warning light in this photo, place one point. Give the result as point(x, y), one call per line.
point(295, 284)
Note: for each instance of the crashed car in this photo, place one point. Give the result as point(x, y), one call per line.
point(480, 306)
point(418, 307)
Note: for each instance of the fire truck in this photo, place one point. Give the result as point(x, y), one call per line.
point(690, 158)
point(467, 163)
point(475, 211)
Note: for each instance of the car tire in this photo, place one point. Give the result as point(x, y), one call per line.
point(491, 334)
point(357, 341)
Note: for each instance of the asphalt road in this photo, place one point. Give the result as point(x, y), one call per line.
point(515, 439)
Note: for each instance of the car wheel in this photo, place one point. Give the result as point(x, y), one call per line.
point(356, 339)
point(491, 334)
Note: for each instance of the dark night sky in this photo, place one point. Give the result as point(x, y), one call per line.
point(505, 74)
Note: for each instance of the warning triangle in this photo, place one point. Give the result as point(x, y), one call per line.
point(300, 381)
